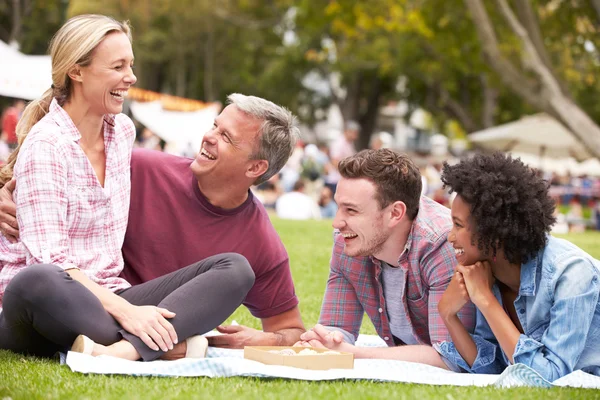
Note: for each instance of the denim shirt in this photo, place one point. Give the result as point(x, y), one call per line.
point(559, 311)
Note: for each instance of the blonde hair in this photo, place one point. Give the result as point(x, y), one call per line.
point(73, 44)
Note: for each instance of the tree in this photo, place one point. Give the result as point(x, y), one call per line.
point(542, 88)
point(30, 23)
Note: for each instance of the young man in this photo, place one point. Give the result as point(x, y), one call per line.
point(183, 211)
point(391, 259)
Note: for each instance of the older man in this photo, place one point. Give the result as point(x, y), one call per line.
point(185, 210)
point(391, 260)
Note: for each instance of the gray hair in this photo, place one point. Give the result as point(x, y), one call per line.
point(352, 126)
point(278, 132)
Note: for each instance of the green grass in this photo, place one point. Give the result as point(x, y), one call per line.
point(309, 246)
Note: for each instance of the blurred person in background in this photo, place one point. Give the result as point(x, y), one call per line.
point(148, 140)
point(10, 118)
point(381, 140)
point(326, 203)
point(341, 148)
point(312, 169)
point(297, 204)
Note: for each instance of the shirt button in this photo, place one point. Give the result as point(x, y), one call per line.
point(386, 338)
point(522, 311)
point(380, 310)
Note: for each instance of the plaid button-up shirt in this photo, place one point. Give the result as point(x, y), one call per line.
point(428, 261)
point(66, 217)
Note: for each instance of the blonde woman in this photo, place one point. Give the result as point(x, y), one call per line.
point(60, 284)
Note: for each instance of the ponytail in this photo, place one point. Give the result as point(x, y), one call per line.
point(31, 115)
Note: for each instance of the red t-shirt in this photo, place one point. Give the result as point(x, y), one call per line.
point(9, 124)
point(172, 225)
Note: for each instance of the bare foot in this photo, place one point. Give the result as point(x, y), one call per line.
point(121, 349)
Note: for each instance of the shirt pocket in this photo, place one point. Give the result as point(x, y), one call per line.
point(417, 302)
point(83, 212)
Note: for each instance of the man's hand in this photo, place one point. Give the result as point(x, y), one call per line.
point(321, 337)
point(149, 324)
point(478, 280)
point(455, 296)
point(236, 337)
point(8, 212)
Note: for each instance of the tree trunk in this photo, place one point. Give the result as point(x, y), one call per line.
point(209, 63)
point(549, 98)
point(596, 4)
point(457, 110)
point(15, 32)
point(350, 105)
point(529, 20)
point(490, 100)
point(368, 119)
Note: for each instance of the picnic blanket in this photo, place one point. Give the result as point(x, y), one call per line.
point(226, 362)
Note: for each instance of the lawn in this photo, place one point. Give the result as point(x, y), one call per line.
point(308, 244)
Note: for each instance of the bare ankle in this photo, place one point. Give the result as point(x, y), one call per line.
point(178, 352)
point(121, 349)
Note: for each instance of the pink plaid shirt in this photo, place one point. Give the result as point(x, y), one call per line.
point(65, 217)
point(428, 261)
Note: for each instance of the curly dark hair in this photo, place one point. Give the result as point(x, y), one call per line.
point(510, 205)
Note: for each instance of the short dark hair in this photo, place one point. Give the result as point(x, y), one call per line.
point(299, 185)
point(395, 176)
point(510, 205)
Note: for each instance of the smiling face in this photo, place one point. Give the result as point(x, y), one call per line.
point(227, 148)
point(359, 218)
point(462, 235)
point(106, 80)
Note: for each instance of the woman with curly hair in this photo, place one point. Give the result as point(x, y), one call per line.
point(536, 295)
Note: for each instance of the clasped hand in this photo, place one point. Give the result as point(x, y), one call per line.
point(150, 325)
point(469, 283)
point(321, 337)
point(478, 280)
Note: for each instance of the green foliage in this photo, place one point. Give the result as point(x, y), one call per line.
point(198, 49)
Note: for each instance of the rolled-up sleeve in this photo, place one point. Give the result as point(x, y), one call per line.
point(488, 360)
point(42, 204)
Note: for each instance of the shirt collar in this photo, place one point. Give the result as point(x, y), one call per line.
point(62, 119)
point(529, 272)
point(408, 243)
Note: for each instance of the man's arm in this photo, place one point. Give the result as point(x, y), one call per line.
point(279, 330)
point(320, 336)
point(8, 212)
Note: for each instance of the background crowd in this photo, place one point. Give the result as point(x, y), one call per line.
point(305, 188)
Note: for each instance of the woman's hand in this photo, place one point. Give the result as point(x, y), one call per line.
point(455, 297)
point(149, 324)
point(478, 280)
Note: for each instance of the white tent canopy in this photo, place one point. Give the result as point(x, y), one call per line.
point(537, 134)
point(541, 142)
point(22, 76)
point(181, 130)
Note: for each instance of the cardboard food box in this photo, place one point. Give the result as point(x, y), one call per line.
point(309, 361)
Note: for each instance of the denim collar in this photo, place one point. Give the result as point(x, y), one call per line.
point(529, 272)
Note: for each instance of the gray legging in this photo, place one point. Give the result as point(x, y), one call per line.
point(45, 309)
